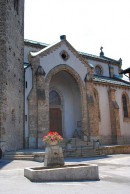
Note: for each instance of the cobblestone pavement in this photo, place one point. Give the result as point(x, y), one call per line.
point(114, 173)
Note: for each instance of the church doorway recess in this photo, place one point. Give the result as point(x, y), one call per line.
point(55, 112)
point(65, 109)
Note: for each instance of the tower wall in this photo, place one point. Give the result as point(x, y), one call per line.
point(11, 73)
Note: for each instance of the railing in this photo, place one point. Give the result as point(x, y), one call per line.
point(81, 135)
point(81, 140)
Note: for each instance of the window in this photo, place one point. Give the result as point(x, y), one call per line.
point(125, 106)
point(54, 98)
point(98, 70)
point(64, 55)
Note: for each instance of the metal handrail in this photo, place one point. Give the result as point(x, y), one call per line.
point(80, 134)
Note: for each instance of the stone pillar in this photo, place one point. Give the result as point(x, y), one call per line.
point(53, 156)
point(42, 106)
point(32, 111)
point(114, 115)
point(92, 112)
point(38, 105)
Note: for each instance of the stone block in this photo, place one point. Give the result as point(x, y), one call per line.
point(65, 173)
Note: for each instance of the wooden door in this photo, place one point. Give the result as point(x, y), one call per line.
point(56, 120)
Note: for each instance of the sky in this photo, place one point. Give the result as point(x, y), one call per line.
point(87, 24)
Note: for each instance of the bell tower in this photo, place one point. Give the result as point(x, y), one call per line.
point(11, 73)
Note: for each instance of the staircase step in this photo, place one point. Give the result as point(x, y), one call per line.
point(18, 157)
point(25, 155)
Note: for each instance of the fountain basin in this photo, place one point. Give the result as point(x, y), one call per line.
point(74, 172)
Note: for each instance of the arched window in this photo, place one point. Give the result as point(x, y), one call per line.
point(98, 70)
point(54, 98)
point(125, 105)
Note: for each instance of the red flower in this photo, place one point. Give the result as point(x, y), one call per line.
point(52, 136)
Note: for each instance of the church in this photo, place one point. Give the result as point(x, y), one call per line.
point(69, 91)
point(57, 88)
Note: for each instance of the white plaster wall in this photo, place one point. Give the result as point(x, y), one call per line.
point(28, 79)
point(53, 59)
point(116, 69)
point(124, 126)
point(105, 124)
point(71, 102)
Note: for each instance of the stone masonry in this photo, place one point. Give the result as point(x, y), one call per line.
point(93, 111)
point(114, 115)
point(11, 73)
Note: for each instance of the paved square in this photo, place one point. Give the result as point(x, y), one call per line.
point(114, 173)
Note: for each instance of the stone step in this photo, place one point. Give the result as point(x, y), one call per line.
point(18, 157)
point(25, 155)
point(39, 155)
point(76, 142)
point(83, 152)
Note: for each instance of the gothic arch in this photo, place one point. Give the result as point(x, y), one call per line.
point(125, 105)
point(75, 75)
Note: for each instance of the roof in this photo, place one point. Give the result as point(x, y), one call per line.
point(108, 80)
point(101, 59)
point(49, 49)
point(34, 54)
point(45, 46)
point(35, 43)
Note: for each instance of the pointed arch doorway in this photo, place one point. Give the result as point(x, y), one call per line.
point(55, 112)
point(66, 111)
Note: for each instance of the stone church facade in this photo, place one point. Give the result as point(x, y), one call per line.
point(68, 91)
point(60, 89)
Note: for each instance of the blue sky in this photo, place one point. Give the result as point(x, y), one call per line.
point(87, 24)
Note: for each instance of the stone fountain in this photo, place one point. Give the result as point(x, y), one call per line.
point(54, 168)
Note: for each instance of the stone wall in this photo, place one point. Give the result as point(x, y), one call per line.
point(12, 74)
point(114, 115)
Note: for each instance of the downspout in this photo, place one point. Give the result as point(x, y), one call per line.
point(24, 110)
point(28, 64)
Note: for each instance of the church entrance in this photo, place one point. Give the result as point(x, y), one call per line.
point(65, 115)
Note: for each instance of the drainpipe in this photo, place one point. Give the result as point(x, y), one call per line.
point(24, 142)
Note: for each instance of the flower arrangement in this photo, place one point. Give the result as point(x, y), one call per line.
point(52, 137)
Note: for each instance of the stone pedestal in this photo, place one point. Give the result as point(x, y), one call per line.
point(53, 156)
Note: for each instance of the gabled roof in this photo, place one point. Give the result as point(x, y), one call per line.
point(49, 49)
point(83, 54)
